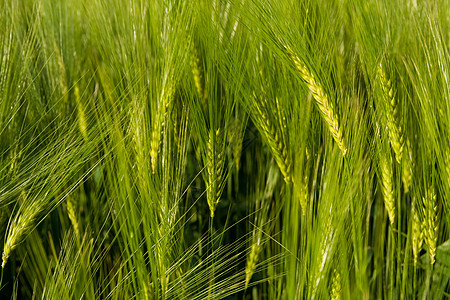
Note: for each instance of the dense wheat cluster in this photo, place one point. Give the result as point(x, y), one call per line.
point(224, 149)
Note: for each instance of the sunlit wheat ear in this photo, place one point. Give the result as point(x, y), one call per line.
point(336, 287)
point(81, 116)
point(430, 222)
point(273, 138)
point(321, 100)
point(252, 260)
point(387, 187)
point(417, 232)
point(20, 227)
point(407, 167)
point(214, 166)
point(390, 110)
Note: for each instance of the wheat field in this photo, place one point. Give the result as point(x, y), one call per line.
point(225, 149)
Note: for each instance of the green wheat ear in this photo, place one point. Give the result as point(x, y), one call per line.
point(407, 167)
point(336, 286)
point(417, 232)
point(321, 100)
point(197, 72)
point(430, 224)
point(273, 137)
point(390, 109)
point(252, 260)
point(215, 169)
point(387, 186)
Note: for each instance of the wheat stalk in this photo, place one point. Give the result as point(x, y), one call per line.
point(322, 102)
point(430, 222)
point(387, 187)
point(390, 110)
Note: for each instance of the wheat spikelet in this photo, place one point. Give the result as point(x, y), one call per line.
point(197, 72)
point(301, 186)
point(390, 114)
point(322, 102)
point(304, 184)
point(81, 116)
point(71, 206)
point(19, 228)
point(336, 287)
point(235, 135)
point(430, 222)
point(303, 194)
point(417, 233)
point(387, 187)
point(407, 167)
point(274, 140)
point(215, 165)
point(252, 260)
